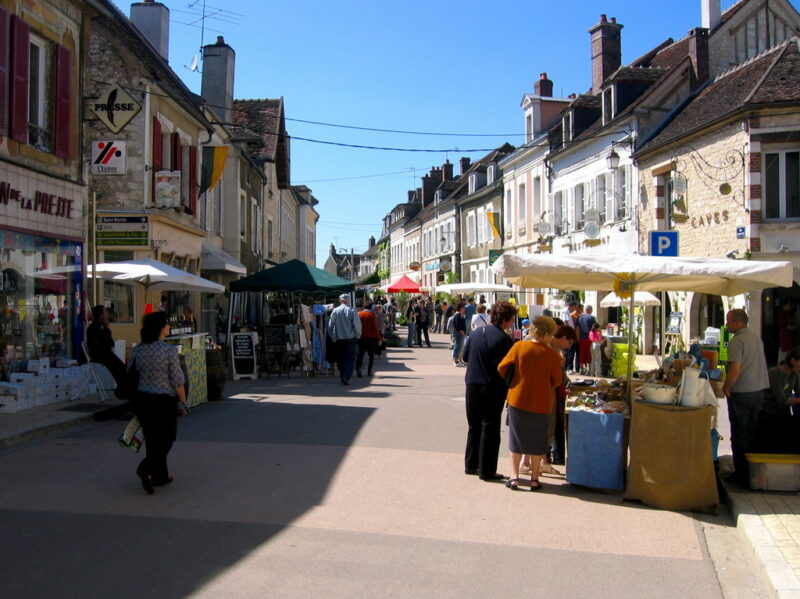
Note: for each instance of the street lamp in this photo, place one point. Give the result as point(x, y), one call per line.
point(612, 160)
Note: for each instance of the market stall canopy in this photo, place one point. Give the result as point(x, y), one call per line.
point(403, 284)
point(719, 276)
point(640, 298)
point(294, 275)
point(456, 288)
point(156, 276)
point(215, 259)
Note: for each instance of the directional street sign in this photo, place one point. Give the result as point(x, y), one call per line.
point(122, 231)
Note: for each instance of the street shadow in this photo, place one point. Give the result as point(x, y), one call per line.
point(244, 471)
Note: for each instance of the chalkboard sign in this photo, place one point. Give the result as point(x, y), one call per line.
point(274, 335)
point(243, 351)
point(674, 326)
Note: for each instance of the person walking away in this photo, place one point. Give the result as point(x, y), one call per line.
point(368, 341)
point(423, 322)
point(411, 322)
point(777, 430)
point(160, 398)
point(534, 370)
point(596, 339)
point(100, 344)
point(563, 338)
point(380, 318)
point(470, 311)
point(345, 329)
point(570, 319)
point(449, 310)
point(586, 322)
point(437, 312)
point(744, 387)
point(481, 319)
point(459, 333)
point(486, 392)
point(391, 311)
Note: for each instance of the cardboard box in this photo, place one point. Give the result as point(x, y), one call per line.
point(774, 472)
point(22, 377)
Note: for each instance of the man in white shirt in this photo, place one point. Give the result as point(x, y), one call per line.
point(345, 329)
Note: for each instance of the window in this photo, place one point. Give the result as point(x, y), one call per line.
point(608, 104)
point(39, 92)
point(507, 213)
point(578, 206)
point(521, 212)
point(600, 198)
point(118, 298)
point(782, 184)
point(482, 225)
point(269, 238)
point(491, 174)
point(472, 233)
point(537, 198)
point(623, 189)
point(558, 212)
point(566, 126)
point(669, 198)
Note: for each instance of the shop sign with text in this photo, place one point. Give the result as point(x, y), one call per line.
point(42, 202)
point(108, 157)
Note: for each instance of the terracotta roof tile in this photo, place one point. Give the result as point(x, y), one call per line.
point(262, 118)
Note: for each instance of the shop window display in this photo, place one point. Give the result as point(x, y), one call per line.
point(118, 300)
point(40, 300)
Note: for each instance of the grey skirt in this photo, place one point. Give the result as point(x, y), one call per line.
point(527, 432)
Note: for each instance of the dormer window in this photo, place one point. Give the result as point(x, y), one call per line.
point(609, 109)
point(473, 182)
point(438, 197)
point(491, 174)
point(566, 127)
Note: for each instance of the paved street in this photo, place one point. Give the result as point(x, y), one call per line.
point(303, 488)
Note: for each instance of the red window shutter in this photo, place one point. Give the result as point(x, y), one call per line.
point(5, 55)
point(63, 116)
point(175, 152)
point(158, 156)
point(20, 42)
point(193, 179)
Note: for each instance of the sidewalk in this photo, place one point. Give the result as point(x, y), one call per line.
point(769, 522)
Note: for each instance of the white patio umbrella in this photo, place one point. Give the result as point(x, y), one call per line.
point(642, 273)
point(155, 276)
point(640, 298)
point(454, 288)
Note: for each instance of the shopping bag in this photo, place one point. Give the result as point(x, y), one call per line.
point(133, 436)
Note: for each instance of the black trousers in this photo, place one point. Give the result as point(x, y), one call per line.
point(114, 365)
point(422, 329)
point(159, 417)
point(484, 412)
point(366, 345)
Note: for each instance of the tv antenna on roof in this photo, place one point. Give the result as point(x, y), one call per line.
point(197, 12)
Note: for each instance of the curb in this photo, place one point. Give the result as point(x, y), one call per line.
point(776, 572)
point(39, 432)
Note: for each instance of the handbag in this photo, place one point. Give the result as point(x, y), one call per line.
point(129, 388)
point(509, 376)
point(133, 435)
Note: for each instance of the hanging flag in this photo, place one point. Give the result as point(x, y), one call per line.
point(494, 222)
point(213, 165)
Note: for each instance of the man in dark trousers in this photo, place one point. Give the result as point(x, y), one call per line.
point(744, 387)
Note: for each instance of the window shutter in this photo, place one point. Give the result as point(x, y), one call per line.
point(63, 140)
point(20, 42)
point(5, 51)
point(158, 156)
point(175, 152)
point(193, 179)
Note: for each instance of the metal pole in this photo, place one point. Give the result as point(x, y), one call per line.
point(93, 229)
point(630, 348)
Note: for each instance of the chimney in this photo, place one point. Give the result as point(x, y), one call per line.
point(371, 241)
point(152, 19)
point(447, 171)
point(606, 50)
point(698, 52)
point(219, 61)
point(464, 162)
point(411, 195)
point(710, 13)
point(543, 87)
point(429, 184)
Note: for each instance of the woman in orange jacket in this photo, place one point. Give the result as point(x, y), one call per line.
point(534, 370)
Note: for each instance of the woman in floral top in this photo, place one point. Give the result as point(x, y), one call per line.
point(160, 399)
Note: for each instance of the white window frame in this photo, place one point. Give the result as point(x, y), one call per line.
point(522, 216)
point(472, 232)
point(600, 197)
point(40, 93)
point(536, 199)
point(579, 205)
point(783, 200)
point(482, 224)
point(507, 216)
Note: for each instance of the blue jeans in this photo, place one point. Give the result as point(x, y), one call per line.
point(346, 357)
point(743, 409)
point(412, 331)
point(458, 344)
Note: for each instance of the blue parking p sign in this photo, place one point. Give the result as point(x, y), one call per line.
point(664, 243)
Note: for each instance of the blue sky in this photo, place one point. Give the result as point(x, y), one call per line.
point(426, 66)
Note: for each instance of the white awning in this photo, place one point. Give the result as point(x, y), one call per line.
point(212, 258)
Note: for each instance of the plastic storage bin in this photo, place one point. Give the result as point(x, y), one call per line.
point(774, 471)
